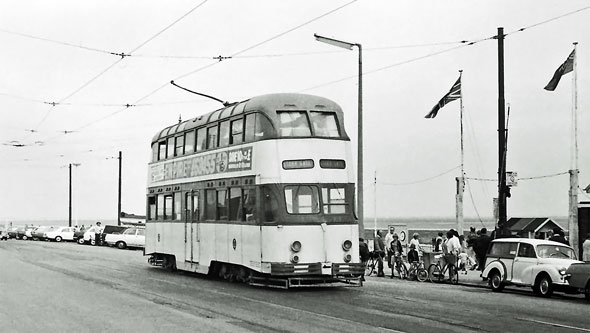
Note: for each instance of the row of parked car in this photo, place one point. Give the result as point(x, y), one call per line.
point(119, 236)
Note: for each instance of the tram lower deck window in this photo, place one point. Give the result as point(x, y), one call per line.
point(302, 199)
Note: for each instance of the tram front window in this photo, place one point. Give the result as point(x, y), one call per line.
point(293, 123)
point(302, 199)
point(324, 124)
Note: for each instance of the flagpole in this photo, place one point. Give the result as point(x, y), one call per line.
point(573, 192)
point(460, 180)
point(375, 204)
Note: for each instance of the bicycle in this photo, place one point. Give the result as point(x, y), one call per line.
point(436, 273)
point(418, 271)
point(399, 267)
point(372, 264)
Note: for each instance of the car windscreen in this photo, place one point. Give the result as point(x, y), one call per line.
point(555, 251)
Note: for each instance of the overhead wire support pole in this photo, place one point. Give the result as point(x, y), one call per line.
point(573, 191)
point(119, 192)
point(460, 180)
point(360, 191)
point(502, 214)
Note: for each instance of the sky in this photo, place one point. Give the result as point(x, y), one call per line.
point(70, 53)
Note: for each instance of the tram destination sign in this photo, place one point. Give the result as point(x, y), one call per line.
point(203, 165)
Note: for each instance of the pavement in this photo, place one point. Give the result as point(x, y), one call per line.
point(468, 278)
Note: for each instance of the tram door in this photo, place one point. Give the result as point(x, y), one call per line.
point(191, 228)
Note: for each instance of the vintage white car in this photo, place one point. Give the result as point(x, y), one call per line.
point(60, 233)
point(132, 237)
point(540, 264)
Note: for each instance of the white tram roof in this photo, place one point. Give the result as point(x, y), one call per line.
point(262, 103)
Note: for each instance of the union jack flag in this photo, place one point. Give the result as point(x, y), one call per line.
point(453, 94)
point(565, 68)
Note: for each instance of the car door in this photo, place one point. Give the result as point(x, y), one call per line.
point(524, 263)
point(67, 233)
point(129, 236)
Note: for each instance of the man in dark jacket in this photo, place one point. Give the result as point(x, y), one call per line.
point(379, 249)
point(364, 254)
point(558, 236)
point(480, 246)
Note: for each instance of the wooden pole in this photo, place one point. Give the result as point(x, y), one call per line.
point(119, 197)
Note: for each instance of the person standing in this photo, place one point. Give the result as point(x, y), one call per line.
point(453, 248)
point(364, 255)
point(586, 249)
point(388, 240)
point(438, 242)
point(558, 236)
point(481, 247)
point(379, 249)
point(396, 252)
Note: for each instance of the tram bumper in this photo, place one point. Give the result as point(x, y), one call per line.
point(317, 268)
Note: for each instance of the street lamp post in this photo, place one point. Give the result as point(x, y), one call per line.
point(359, 185)
point(70, 205)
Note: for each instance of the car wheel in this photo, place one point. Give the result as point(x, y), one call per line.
point(92, 242)
point(25, 238)
point(496, 281)
point(121, 245)
point(543, 286)
point(81, 240)
point(58, 239)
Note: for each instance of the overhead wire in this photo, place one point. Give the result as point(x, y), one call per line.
point(473, 202)
point(216, 62)
point(421, 180)
point(130, 52)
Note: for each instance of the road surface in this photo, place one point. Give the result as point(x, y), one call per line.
point(66, 287)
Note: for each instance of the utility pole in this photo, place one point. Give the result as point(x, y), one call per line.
point(119, 198)
point(573, 191)
point(70, 199)
point(502, 189)
point(460, 180)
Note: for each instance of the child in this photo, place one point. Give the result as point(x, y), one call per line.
point(463, 259)
point(413, 254)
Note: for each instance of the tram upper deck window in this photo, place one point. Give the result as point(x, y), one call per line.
point(170, 150)
point(237, 131)
point(334, 200)
point(257, 127)
point(155, 151)
point(162, 150)
point(302, 199)
point(212, 137)
point(189, 142)
point(224, 134)
point(179, 150)
point(293, 124)
point(201, 139)
point(324, 124)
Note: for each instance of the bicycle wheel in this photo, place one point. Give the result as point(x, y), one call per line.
point(370, 268)
point(434, 273)
point(421, 275)
point(403, 271)
point(455, 276)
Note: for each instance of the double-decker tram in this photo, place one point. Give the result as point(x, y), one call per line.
point(261, 191)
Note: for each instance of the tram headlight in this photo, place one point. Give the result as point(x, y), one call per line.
point(347, 245)
point(347, 258)
point(296, 246)
point(294, 258)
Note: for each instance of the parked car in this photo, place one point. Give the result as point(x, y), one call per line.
point(13, 231)
point(60, 233)
point(536, 263)
point(40, 233)
point(132, 237)
point(25, 232)
point(89, 235)
point(578, 276)
point(79, 236)
point(3, 234)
